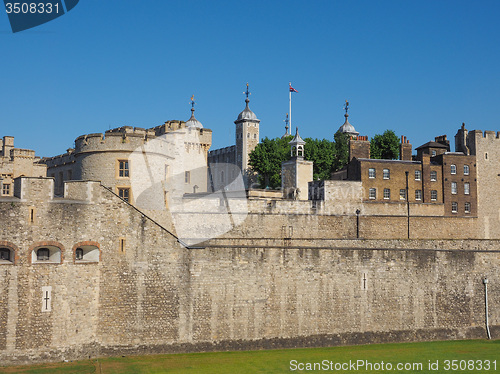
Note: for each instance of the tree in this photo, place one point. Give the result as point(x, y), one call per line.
point(385, 146)
point(267, 157)
point(341, 150)
point(266, 160)
point(322, 154)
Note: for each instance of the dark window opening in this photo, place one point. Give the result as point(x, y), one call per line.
point(4, 254)
point(79, 254)
point(43, 254)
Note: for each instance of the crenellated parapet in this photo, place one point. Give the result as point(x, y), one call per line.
point(485, 134)
point(39, 190)
point(124, 138)
point(64, 159)
point(226, 154)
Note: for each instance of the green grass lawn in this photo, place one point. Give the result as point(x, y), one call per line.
point(470, 353)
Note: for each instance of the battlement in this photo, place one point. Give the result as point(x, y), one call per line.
point(131, 131)
point(222, 151)
point(486, 134)
point(124, 138)
point(41, 189)
point(22, 153)
point(128, 138)
point(169, 126)
point(64, 159)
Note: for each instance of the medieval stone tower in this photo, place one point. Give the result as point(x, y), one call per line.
point(486, 147)
point(247, 138)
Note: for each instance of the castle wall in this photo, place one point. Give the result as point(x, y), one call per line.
point(15, 162)
point(147, 294)
point(486, 148)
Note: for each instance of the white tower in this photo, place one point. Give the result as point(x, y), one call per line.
point(247, 138)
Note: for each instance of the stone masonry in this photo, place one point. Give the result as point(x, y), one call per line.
point(148, 294)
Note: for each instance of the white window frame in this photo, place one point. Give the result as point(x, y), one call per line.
point(372, 193)
point(454, 207)
point(467, 207)
point(418, 194)
point(466, 188)
point(387, 173)
point(372, 173)
point(402, 194)
point(418, 175)
point(387, 193)
point(466, 170)
point(434, 176)
point(453, 169)
point(434, 195)
point(453, 188)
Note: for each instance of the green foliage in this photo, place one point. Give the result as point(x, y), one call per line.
point(322, 153)
point(385, 146)
point(341, 150)
point(327, 156)
point(266, 160)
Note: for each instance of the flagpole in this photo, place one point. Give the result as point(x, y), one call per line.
point(290, 103)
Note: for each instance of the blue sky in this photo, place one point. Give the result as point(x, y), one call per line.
point(418, 68)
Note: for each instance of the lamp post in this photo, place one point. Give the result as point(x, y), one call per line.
point(357, 223)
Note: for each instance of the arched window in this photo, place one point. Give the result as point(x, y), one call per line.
point(86, 252)
point(5, 254)
point(43, 254)
point(46, 254)
point(79, 254)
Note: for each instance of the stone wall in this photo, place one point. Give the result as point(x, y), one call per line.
point(147, 294)
point(486, 148)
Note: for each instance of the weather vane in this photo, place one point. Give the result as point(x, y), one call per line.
point(346, 106)
point(192, 101)
point(247, 92)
